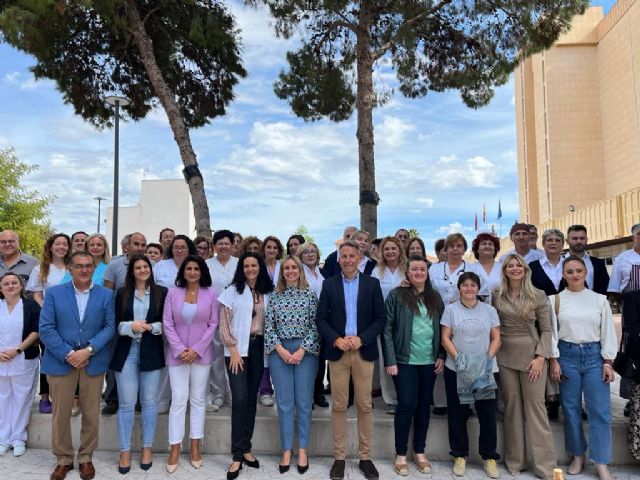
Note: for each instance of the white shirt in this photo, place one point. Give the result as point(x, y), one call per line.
point(488, 282)
point(221, 275)
point(584, 317)
point(241, 306)
point(11, 326)
point(445, 281)
point(82, 298)
point(587, 261)
point(622, 270)
point(388, 279)
point(315, 283)
point(554, 272)
point(54, 278)
point(531, 256)
point(165, 273)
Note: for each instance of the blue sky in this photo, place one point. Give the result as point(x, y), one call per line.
point(266, 171)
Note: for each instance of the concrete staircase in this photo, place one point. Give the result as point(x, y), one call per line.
point(266, 437)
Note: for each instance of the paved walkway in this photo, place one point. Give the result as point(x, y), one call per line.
point(38, 464)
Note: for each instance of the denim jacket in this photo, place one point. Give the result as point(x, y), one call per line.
point(475, 377)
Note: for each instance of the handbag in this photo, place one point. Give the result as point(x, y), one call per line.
point(623, 364)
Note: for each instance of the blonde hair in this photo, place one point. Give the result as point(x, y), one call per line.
point(106, 256)
point(526, 299)
point(282, 283)
point(305, 246)
point(402, 258)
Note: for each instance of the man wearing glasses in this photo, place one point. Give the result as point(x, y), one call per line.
point(12, 259)
point(77, 324)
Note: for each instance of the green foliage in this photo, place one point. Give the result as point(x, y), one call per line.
point(471, 46)
point(304, 231)
point(414, 233)
point(23, 210)
point(86, 47)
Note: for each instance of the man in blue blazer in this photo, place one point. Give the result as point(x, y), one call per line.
point(350, 317)
point(77, 323)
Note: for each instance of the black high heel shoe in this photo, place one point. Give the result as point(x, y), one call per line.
point(251, 463)
point(285, 468)
point(124, 470)
point(234, 475)
point(303, 468)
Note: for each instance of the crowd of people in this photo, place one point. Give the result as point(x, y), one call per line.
point(194, 324)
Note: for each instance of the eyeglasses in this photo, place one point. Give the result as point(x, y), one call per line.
point(175, 247)
point(309, 252)
point(83, 266)
point(7, 242)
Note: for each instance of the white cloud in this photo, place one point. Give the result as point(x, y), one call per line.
point(391, 133)
point(451, 228)
point(11, 78)
point(427, 202)
point(475, 172)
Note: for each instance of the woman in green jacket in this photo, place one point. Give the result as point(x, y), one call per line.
point(413, 356)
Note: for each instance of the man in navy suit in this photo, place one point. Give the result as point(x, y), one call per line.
point(77, 323)
point(350, 317)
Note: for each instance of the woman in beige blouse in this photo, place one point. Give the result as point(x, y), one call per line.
point(525, 327)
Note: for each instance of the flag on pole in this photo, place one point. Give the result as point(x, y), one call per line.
point(475, 223)
point(499, 210)
point(484, 213)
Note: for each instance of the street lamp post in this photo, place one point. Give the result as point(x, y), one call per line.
point(99, 199)
point(116, 101)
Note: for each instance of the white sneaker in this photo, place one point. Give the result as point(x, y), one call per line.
point(212, 407)
point(19, 450)
point(4, 448)
point(266, 400)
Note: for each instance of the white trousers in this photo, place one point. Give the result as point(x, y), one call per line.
point(386, 382)
point(16, 397)
point(188, 383)
point(218, 380)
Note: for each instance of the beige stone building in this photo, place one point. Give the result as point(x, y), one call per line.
point(578, 129)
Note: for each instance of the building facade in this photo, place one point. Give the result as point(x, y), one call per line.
point(578, 129)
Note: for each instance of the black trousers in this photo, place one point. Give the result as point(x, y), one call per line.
point(457, 415)
point(244, 397)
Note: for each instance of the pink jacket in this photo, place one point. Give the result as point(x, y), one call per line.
point(198, 335)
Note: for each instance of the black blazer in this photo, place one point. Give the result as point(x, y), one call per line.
point(30, 324)
point(151, 346)
point(368, 268)
point(331, 315)
point(541, 281)
point(331, 267)
point(600, 275)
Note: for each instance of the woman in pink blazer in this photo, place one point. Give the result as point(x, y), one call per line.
point(190, 320)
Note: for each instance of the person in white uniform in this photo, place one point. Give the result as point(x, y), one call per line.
point(390, 271)
point(485, 248)
point(19, 353)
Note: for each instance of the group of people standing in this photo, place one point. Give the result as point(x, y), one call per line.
point(185, 323)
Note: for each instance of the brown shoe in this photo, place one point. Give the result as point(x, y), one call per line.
point(60, 472)
point(87, 472)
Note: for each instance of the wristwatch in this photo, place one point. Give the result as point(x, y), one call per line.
point(19, 350)
point(91, 350)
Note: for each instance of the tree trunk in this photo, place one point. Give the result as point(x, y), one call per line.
point(180, 131)
point(364, 104)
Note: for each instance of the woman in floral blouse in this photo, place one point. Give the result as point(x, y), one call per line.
point(293, 344)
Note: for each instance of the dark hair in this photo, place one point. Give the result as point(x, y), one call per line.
point(475, 245)
point(200, 239)
point(190, 246)
point(376, 241)
point(572, 258)
point(519, 226)
point(130, 284)
point(47, 256)
point(20, 280)
point(576, 228)
point(205, 276)
point(473, 276)
point(73, 235)
point(80, 253)
point(220, 234)
point(416, 239)
point(154, 245)
point(165, 230)
point(439, 245)
point(430, 297)
point(263, 282)
point(298, 237)
point(271, 238)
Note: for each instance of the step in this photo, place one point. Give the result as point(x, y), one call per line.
point(266, 438)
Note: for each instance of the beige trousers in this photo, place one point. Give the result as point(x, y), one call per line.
point(524, 400)
point(351, 365)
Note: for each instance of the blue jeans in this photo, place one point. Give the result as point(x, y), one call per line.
point(293, 385)
point(582, 365)
point(129, 381)
point(414, 387)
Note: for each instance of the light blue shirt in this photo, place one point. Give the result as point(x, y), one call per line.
point(351, 304)
point(82, 299)
point(140, 308)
